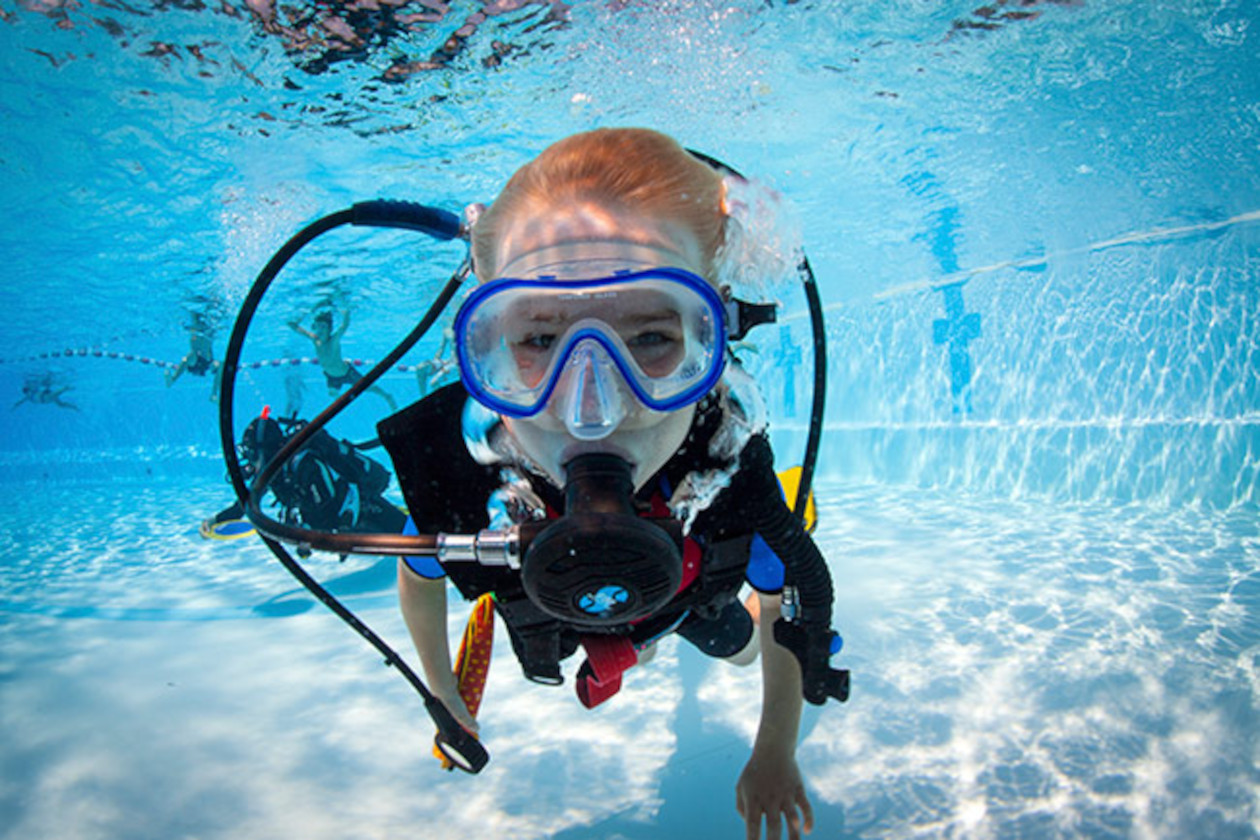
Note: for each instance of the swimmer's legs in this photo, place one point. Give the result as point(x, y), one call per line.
point(383, 394)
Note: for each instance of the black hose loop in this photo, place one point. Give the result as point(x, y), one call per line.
point(785, 533)
point(470, 754)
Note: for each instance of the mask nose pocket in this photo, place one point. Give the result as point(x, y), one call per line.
point(594, 403)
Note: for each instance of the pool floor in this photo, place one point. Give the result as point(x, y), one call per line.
point(1020, 669)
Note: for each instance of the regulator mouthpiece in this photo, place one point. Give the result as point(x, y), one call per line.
point(600, 565)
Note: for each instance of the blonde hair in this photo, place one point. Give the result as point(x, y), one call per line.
point(628, 169)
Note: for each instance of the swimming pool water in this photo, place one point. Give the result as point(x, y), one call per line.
point(1036, 229)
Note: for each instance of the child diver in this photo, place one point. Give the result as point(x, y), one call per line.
point(596, 383)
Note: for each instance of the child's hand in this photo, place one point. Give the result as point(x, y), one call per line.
point(771, 786)
point(448, 693)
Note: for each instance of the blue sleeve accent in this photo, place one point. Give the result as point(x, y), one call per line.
point(765, 570)
point(425, 567)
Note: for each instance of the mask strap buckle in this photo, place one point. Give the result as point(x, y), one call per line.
point(742, 316)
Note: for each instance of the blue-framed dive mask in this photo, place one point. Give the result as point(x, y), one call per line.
point(657, 335)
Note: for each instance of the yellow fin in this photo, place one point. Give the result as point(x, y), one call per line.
point(472, 663)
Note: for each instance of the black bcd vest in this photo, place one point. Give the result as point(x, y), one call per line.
point(446, 492)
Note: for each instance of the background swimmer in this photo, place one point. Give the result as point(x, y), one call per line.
point(339, 373)
point(45, 390)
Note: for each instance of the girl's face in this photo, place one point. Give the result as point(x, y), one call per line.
point(605, 241)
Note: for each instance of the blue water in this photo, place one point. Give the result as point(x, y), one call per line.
point(1036, 227)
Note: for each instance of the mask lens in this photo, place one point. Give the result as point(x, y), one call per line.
point(663, 328)
point(647, 321)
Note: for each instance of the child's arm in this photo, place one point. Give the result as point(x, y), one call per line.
point(771, 785)
point(297, 327)
point(423, 603)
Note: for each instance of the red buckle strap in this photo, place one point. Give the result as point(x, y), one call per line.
point(607, 658)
